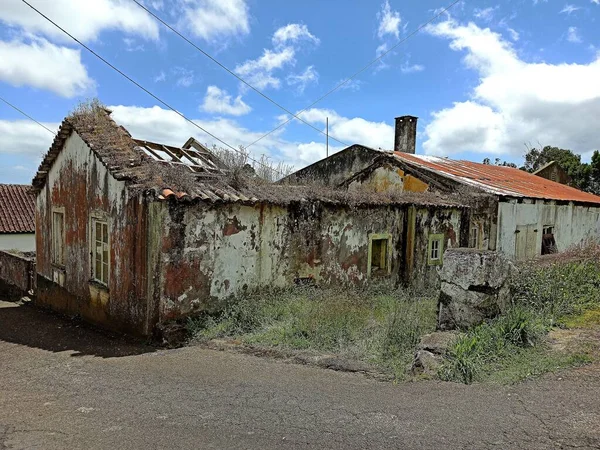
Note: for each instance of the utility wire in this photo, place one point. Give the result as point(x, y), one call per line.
point(212, 58)
point(360, 71)
point(28, 116)
point(146, 90)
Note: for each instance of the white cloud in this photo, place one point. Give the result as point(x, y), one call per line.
point(353, 130)
point(293, 33)
point(132, 46)
point(216, 19)
point(184, 77)
point(569, 9)
point(26, 138)
point(43, 65)
point(515, 101)
point(84, 19)
point(485, 14)
point(514, 35)
point(162, 76)
point(258, 72)
point(388, 29)
point(301, 80)
point(389, 21)
point(573, 35)
point(218, 101)
point(352, 85)
point(411, 68)
point(596, 2)
point(160, 125)
point(22, 145)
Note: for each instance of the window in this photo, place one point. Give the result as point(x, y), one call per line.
point(58, 237)
point(435, 249)
point(379, 262)
point(474, 237)
point(100, 254)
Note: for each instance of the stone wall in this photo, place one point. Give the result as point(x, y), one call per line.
point(16, 275)
point(474, 287)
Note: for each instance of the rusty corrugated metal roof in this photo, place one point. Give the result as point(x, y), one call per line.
point(498, 180)
point(17, 209)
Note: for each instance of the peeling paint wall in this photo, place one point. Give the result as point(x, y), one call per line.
point(428, 221)
point(208, 253)
point(16, 275)
point(573, 224)
point(80, 185)
point(387, 178)
point(335, 169)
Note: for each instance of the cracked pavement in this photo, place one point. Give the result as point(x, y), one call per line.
point(66, 385)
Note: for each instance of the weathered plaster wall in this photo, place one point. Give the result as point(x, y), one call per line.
point(388, 179)
point(573, 224)
point(335, 169)
point(16, 275)
point(434, 220)
point(24, 242)
point(80, 184)
point(208, 253)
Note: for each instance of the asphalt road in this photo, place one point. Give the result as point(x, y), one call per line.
point(64, 385)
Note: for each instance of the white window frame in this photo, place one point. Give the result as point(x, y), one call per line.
point(435, 243)
point(105, 246)
point(474, 236)
point(58, 238)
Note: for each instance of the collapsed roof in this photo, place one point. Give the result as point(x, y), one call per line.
point(191, 172)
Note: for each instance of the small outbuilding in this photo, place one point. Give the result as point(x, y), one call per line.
point(17, 218)
point(515, 212)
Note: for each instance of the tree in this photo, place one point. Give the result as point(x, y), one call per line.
point(580, 173)
point(499, 162)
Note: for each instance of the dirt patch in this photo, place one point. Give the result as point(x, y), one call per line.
point(577, 340)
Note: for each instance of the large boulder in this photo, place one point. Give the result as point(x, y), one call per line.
point(430, 352)
point(474, 287)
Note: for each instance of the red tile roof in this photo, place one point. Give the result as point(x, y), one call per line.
point(17, 209)
point(498, 180)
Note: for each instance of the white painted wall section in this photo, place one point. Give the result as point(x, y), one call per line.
point(573, 224)
point(24, 242)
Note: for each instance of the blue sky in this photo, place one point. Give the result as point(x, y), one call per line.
point(485, 78)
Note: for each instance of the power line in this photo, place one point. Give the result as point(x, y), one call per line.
point(146, 90)
point(360, 71)
point(28, 116)
point(212, 58)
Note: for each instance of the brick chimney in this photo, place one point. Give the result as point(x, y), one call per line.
point(405, 139)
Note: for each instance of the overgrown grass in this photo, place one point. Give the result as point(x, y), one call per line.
point(552, 292)
point(380, 326)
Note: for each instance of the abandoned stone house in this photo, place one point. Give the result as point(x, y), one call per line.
point(515, 212)
point(17, 218)
point(132, 234)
